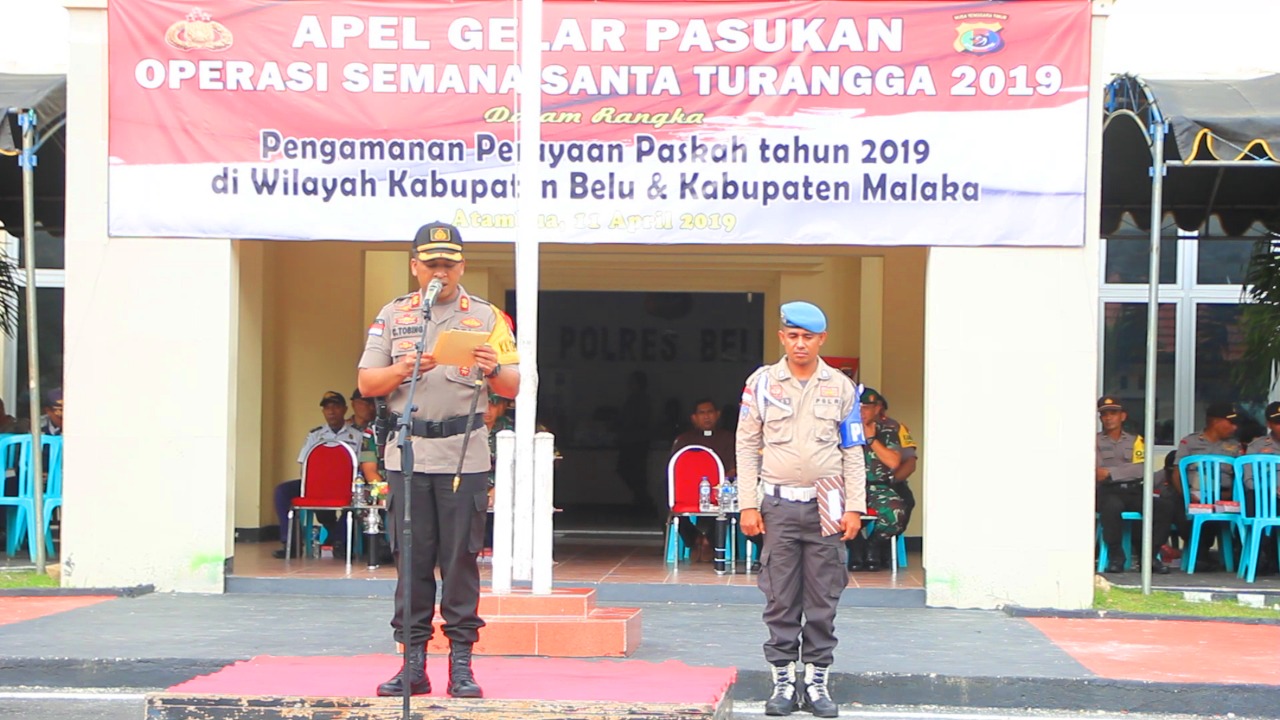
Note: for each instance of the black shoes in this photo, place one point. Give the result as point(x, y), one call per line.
point(876, 555)
point(462, 683)
point(786, 696)
point(280, 554)
point(755, 566)
point(816, 696)
point(415, 669)
point(1115, 566)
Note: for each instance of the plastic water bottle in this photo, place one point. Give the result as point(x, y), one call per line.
point(704, 495)
point(728, 497)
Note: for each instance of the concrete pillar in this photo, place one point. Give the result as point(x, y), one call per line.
point(1010, 374)
point(149, 373)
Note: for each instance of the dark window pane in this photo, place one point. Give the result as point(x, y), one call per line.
point(50, 251)
point(1129, 260)
point(1124, 364)
point(49, 307)
point(1223, 262)
point(1219, 345)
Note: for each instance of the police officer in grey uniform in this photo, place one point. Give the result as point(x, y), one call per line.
point(1218, 438)
point(1118, 477)
point(1268, 444)
point(335, 429)
point(793, 469)
point(448, 517)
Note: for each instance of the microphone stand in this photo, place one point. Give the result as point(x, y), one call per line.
point(405, 428)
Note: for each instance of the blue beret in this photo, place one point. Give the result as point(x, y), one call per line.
point(805, 316)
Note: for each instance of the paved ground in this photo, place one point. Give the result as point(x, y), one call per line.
point(890, 656)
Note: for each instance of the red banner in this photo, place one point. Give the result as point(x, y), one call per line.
point(863, 122)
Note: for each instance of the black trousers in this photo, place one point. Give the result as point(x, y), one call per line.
point(802, 576)
point(447, 532)
point(1115, 499)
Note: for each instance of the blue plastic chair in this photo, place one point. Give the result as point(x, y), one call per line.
point(1209, 468)
point(52, 498)
point(14, 449)
point(1126, 540)
point(53, 486)
point(1265, 515)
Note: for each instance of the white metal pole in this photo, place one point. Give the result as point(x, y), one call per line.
point(504, 472)
point(1153, 337)
point(528, 176)
point(28, 160)
point(544, 457)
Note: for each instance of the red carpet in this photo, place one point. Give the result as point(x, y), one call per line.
point(503, 678)
point(19, 608)
point(1169, 650)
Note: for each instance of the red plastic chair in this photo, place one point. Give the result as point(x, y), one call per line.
point(685, 471)
point(328, 472)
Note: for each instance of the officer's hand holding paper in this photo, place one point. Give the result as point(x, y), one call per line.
point(457, 347)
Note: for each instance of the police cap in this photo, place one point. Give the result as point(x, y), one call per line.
point(437, 240)
point(1223, 410)
point(332, 398)
point(1273, 412)
point(805, 316)
point(1109, 402)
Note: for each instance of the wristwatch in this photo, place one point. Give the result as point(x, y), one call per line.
point(494, 373)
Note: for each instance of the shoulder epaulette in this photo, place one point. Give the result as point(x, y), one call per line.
point(315, 429)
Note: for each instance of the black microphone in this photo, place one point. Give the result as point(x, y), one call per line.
point(432, 290)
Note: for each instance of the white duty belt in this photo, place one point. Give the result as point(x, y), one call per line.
point(794, 494)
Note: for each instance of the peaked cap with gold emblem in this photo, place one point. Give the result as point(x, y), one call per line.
point(438, 240)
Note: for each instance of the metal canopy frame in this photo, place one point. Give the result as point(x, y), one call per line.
point(1129, 97)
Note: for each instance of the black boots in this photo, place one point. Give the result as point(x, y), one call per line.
point(415, 669)
point(816, 696)
point(857, 548)
point(462, 683)
point(786, 696)
point(876, 555)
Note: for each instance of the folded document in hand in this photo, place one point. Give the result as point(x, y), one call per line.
point(457, 347)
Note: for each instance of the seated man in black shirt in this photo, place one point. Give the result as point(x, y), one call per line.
point(705, 431)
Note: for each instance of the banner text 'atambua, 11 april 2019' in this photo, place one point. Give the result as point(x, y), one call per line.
point(736, 120)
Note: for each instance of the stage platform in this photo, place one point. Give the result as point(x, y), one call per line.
point(271, 688)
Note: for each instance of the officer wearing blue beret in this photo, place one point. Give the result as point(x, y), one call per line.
point(804, 487)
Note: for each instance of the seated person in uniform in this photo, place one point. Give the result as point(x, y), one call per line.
point(705, 431)
point(883, 454)
point(335, 429)
point(907, 466)
point(363, 411)
point(1268, 444)
point(1118, 488)
point(51, 420)
point(1217, 438)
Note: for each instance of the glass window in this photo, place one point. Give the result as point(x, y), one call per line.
point(50, 251)
point(1223, 261)
point(1219, 345)
point(1124, 367)
point(1129, 259)
point(49, 311)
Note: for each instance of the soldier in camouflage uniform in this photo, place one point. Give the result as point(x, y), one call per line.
point(883, 454)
